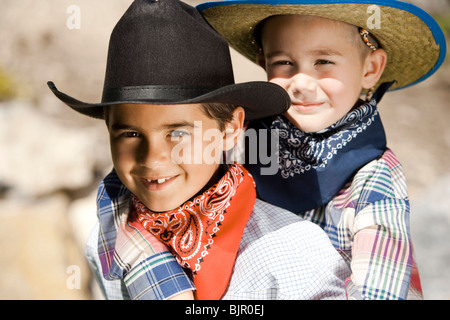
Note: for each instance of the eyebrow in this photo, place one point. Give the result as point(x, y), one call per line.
point(326, 52)
point(275, 53)
point(319, 52)
point(123, 126)
point(179, 124)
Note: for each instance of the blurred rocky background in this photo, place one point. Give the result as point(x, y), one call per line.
point(51, 158)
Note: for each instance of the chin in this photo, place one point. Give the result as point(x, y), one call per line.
point(162, 207)
point(308, 127)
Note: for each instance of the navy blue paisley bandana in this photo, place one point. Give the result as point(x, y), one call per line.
point(313, 167)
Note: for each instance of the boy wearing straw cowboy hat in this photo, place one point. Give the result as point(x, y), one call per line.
point(163, 214)
point(334, 166)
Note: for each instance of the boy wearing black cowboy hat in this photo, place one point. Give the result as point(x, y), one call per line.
point(170, 206)
point(335, 168)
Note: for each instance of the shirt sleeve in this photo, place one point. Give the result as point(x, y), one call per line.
point(110, 289)
point(150, 271)
point(382, 256)
point(376, 232)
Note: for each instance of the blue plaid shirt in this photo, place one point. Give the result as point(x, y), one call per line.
point(127, 262)
point(281, 256)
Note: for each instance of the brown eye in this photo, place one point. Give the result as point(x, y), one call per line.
point(283, 63)
point(130, 134)
point(321, 62)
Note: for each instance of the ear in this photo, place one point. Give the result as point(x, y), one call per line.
point(373, 68)
point(261, 59)
point(233, 129)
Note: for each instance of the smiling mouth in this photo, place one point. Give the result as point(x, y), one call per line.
point(306, 106)
point(157, 183)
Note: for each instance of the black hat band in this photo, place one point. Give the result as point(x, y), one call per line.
point(153, 93)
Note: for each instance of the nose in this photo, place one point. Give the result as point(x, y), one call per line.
point(302, 87)
point(152, 152)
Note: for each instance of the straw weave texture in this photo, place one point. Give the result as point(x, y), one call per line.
point(411, 48)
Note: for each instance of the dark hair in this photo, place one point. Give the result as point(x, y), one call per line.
point(221, 112)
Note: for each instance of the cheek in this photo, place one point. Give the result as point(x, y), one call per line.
point(181, 150)
point(198, 149)
point(213, 146)
point(333, 88)
point(123, 156)
point(282, 82)
point(346, 81)
point(342, 99)
point(341, 94)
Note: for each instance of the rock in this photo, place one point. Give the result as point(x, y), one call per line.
point(41, 155)
point(40, 259)
point(430, 225)
point(82, 216)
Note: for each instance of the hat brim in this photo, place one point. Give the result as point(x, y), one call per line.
point(259, 99)
point(414, 42)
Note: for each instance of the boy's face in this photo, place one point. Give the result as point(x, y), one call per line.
point(318, 63)
point(160, 152)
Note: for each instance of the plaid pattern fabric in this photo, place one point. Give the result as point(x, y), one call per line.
point(111, 289)
point(128, 255)
point(368, 223)
point(284, 257)
point(281, 256)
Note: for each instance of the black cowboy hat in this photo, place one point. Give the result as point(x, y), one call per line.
point(164, 52)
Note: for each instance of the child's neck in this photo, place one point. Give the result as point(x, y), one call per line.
point(221, 170)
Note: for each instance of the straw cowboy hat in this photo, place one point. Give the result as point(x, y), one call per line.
point(164, 52)
point(414, 43)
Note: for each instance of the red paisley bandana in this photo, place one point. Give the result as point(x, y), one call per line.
point(204, 233)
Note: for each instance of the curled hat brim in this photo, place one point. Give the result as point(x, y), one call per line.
point(259, 98)
point(414, 42)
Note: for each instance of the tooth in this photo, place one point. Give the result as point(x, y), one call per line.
point(161, 180)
